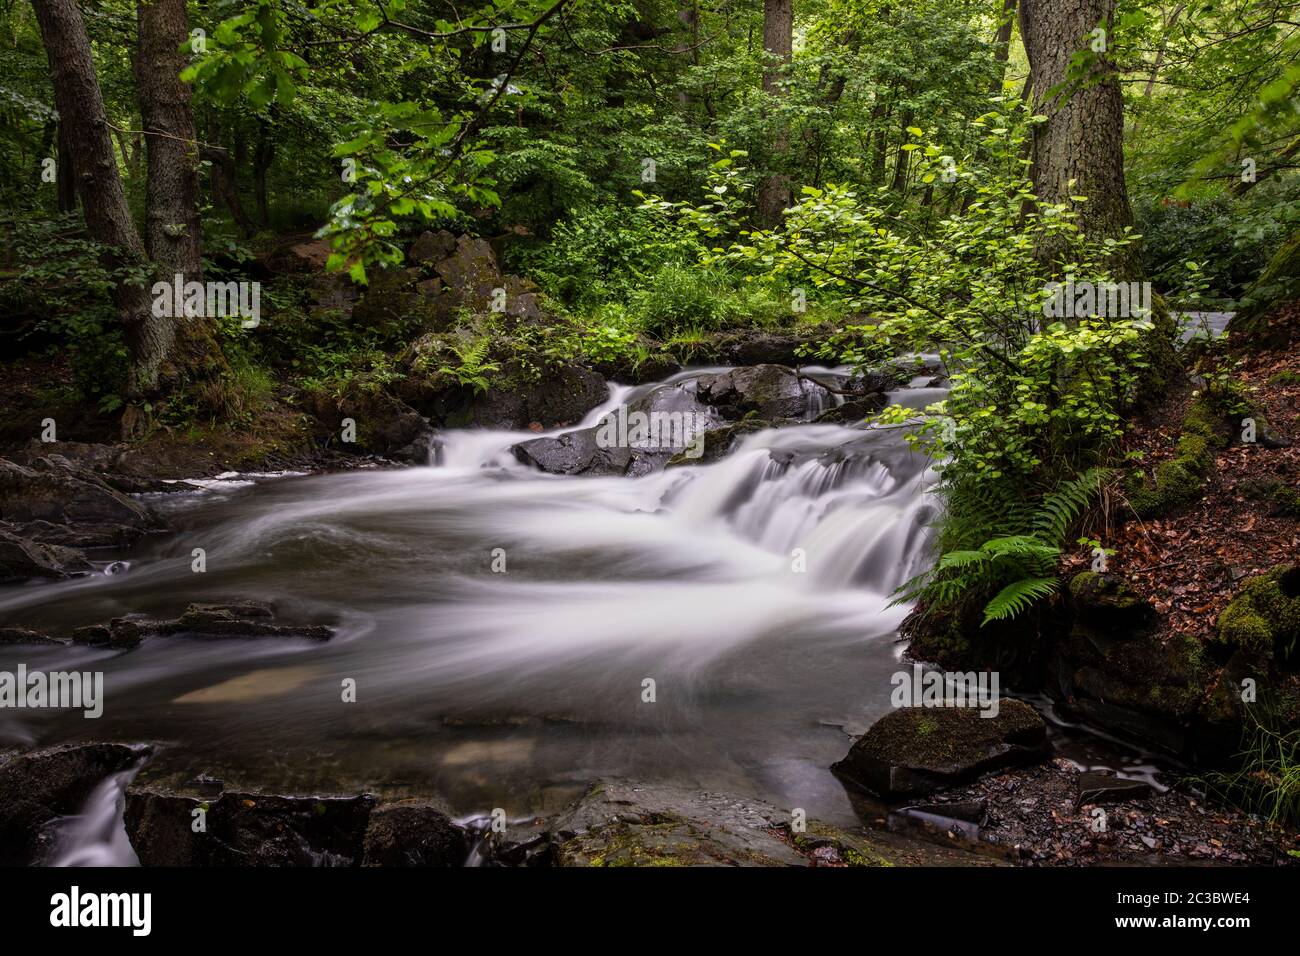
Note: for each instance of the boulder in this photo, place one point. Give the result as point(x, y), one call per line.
point(431, 247)
point(913, 751)
point(634, 440)
point(413, 835)
point(55, 490)
point(246, 829)
point(762, 391)
point(22, 560)
point(39, 787)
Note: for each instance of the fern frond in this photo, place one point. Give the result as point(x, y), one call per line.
point(1017, 596)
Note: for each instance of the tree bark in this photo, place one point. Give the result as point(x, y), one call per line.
point(172, 233)
point(778, 43)
point(1080, 149)
point(65, 173)
point(99, 184)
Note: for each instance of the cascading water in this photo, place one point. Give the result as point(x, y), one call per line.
point(97, 836)
point(501, 625)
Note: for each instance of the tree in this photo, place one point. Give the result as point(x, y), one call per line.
point(103, 201)
point(1079, 149)
point(172, 230)
point(778, 44)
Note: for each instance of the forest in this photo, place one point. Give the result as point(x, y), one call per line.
point(839, 433)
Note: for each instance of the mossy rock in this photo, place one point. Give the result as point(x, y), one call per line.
point(1278, 284)
point(1264, 618)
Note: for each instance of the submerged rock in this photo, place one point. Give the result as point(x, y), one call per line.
point(235, 619)
point(913, 751)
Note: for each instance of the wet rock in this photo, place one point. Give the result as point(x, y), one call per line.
point(718, 443)
point(56, 491)
point(240, 619)
point(577, 453)
point(617, 824)
point(914, 751)
point(22, 635)
point(80, 535)
point(384, 425)
point(413, 835)
point(23, 560)
point(1096, 787)
point(853, 411)
point(40, 786)
point(246, 829)
point(763, 391)
point(635, 440)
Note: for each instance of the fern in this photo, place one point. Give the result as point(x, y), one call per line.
point(473, 369)
point(994, 543)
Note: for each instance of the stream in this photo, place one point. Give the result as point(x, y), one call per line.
point(754, 592)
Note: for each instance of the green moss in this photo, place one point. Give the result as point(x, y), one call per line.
point(1264, 618)
point(1285, 378)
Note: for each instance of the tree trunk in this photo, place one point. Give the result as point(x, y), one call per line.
point(902, 163)
point(1080, 149)
point(778, 43)
point(263, 156)
point(1002, 45)
point(172, 233)
point(99, 184)
point(65, 173)
point(223, 178)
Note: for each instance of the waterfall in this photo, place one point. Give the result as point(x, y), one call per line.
point(97, 835)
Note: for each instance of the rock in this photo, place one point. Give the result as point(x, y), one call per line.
point(413, 835)
point(577, 453)
point(1095, 787)
point(914, 751)
point(559, 395)
point(384, 425)
point(1263, 620)
point(763, 348)
point(80, 535)
point(21, 635)
point(240, 619)
point(246, 829)
point(623, 824)
point(634, 440)
point(763, 391)
point(471, 270)
point(22, 560)
point(56, 491)
point(719, 442)
point(432, 247)
point(1106, 603)
point(853, 411)
point(40, 786)
point(300, 256)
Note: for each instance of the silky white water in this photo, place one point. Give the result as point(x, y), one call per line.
point(506, 630)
